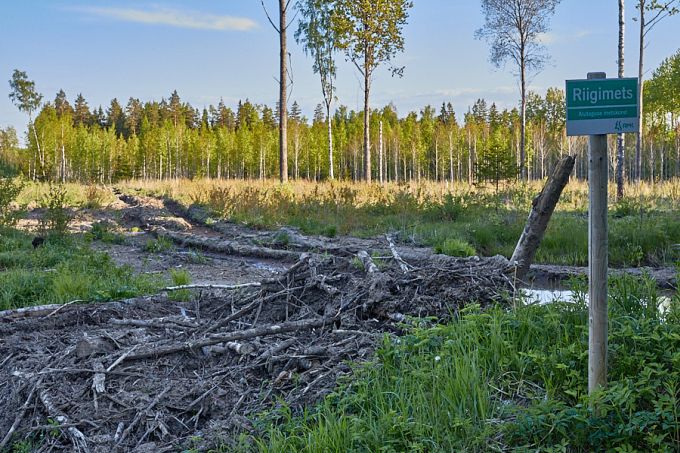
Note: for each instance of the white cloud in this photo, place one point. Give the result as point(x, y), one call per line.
point(173, 18)
point(552, 38)
point(547, 38)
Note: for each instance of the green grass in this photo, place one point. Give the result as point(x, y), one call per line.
point(61, 270)
point(501, 380)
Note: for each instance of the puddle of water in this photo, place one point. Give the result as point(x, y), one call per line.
point(548, 296)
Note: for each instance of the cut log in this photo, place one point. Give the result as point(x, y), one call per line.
point(541, 211)
point(224, 246)
point(367, 261)
point(213, 286)
point(273, 329)
point(403, 265)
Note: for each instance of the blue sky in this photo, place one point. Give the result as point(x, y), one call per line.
point(212, 49)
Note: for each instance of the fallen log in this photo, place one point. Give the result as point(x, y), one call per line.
point(224, 246)
point(367, 261)
point(262, 331)
point(541, 211)
point(212, 286)
point(403, 265)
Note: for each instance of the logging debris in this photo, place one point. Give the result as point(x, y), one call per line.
point(152, 373)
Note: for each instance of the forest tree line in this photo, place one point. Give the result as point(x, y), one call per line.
point(172, 139)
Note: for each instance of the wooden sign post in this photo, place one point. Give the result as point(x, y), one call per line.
point(598, 106)
point(598, 178)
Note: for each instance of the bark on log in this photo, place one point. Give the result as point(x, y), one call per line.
point(232, 336)
point(226, 247)
point(403, 265)
point(212, 286)
point(541, 211)
point(76, 437)
point(367, 261)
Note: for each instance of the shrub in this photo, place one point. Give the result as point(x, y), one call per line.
point(57, 216)
point(101, 231)
point(455, 247)
point(9, 190)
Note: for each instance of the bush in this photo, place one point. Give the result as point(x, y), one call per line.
point(9, 191)
point(57, 216)
point(455, 247)
point(101, 231)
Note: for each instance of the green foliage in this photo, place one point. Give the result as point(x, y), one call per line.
point(23, 93)
point(62, 269)
point(455, 247)
point(500, 380)
point(180, 277)
point(318, 38)
point(159, 245)
point(9, 191)
point(496, 162)
point(102, 231)
point(56, 218)
point(370, 32)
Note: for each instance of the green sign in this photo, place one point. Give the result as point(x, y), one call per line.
point(602, 106)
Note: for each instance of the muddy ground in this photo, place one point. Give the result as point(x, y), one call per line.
point(159, 373)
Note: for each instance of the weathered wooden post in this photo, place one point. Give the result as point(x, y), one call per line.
point(541, 210)
point(596, 107)
point(598, 178)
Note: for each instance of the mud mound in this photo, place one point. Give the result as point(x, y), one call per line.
point(151, 373)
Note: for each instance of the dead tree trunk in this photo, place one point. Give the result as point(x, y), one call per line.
point(541, 211)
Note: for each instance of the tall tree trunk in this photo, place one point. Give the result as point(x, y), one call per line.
point(436, 160)
point(522, 140)
point(331, 174)
point(396, 162)
point(638, 145)
point(63, 155)
point(620, 140)
point(367, 138)
point(37, 145)
point(380, 153)
point(283, 109)
point(296, 145)
point(450, 157)
point(652, 162)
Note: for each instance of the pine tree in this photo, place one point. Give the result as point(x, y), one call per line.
point(81, 114)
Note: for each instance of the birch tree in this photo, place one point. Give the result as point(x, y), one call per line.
point(370, 32)
point(319, 40)
point(658, 10)
point(513, 29)
point(25, 97)
point(620, 152)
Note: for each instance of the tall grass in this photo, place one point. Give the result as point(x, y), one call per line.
point(456, 219)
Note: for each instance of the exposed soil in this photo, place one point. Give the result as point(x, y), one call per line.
point(156, 373)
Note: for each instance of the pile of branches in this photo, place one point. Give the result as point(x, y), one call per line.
point(150, 374)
